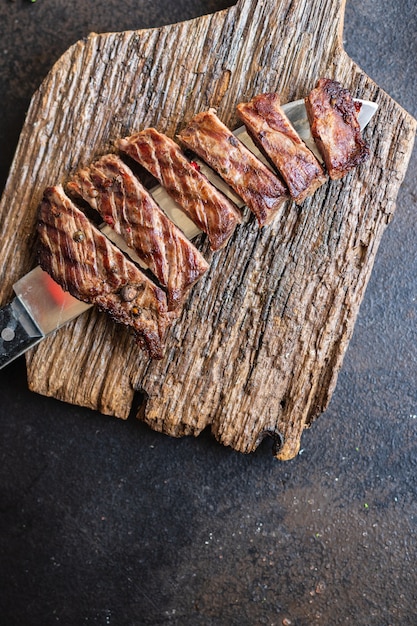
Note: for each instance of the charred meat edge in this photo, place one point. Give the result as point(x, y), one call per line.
point(205, 205)
point(253, 181)
point(335, 128)
point(85, 263)
point(110, 187)
point(275, 136)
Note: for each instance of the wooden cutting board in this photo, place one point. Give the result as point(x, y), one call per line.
point(260, 342)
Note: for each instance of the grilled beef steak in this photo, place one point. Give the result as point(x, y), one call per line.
point(85, 263)
point(110, 187)
point(273, 133)
point(255, 183)
point(205, 205)
point(335, 128)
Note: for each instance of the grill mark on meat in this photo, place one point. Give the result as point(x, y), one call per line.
point(275, 136)
point(85, 263)
point(255, 183)
point(110, 187)
point(335, 128)
point(204, 204)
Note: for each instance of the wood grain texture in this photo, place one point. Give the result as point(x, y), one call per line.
point(261, 340)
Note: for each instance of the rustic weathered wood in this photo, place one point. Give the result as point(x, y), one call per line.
point(260, 342)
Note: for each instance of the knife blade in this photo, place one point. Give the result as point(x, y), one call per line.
point(41, 306)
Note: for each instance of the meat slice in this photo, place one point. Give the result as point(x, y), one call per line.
point(85, 263)
point(273, 133)
point(335, 128)
point(110, 187)
point(205, 205)
point(253, 181)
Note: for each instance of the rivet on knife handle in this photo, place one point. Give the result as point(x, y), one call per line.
point(18, 332)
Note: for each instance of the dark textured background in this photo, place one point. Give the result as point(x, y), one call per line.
point(106, 522)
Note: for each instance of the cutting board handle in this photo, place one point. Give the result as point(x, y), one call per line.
point(321, 16)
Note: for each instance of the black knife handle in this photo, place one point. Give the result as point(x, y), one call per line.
point(18, 332)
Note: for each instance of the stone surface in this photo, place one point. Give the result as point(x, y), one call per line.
point(107, 522)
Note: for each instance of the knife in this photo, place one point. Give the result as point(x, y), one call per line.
point(41, 306)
